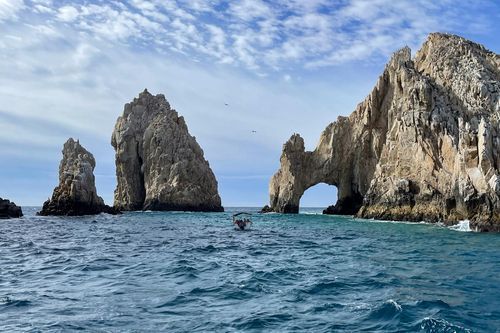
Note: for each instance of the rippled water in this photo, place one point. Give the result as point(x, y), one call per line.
point(186, 272)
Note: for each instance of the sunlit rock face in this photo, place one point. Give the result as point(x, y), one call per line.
point(76, 193)
point(424, 145)
point(159, 165)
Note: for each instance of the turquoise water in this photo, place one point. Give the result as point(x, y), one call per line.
point(192, 272)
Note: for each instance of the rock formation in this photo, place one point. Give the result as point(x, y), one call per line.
point(76, 193)
point(9, 209)
point(424, 145)
point(159, 166)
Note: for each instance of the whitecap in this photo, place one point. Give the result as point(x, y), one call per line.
point(441, 325)
point(463, 226)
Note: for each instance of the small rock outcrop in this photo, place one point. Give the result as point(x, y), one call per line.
point(9, 209)
point(424, 145)
point(76, 193)
point(159, 165)
point(266, 209)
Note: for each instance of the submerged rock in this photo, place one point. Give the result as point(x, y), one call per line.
point(159, 165)
point(76, 193)
point(9, 209)
point(424, 145)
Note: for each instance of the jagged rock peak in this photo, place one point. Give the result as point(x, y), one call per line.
point(423, 145)
point(159, 165)
point(9, 209)
point(400, 58)
point(76, 193)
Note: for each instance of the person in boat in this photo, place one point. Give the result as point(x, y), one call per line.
point(241, 224)
point(241, 221)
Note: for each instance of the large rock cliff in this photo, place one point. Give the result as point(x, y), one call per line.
point(9, 209)
point(76, 193)
point(424, 145)
point(159, 165)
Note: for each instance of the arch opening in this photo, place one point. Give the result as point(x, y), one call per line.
point(317, 198)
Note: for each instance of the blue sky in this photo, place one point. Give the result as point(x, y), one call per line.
point(67, 68)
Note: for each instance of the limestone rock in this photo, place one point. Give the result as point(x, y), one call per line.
point(9, 209)
point(76, 193)
point(159, 165)
point(424, 145)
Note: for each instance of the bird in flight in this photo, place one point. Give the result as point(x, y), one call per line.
point(254, 131)
point(226, 104)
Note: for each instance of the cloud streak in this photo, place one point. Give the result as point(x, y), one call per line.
point(257, 34)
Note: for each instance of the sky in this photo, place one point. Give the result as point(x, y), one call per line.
point(283, 67)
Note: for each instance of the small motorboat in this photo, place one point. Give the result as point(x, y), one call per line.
point(242, 220)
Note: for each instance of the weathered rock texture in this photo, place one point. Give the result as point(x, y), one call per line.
point(9, 209)
point(76, 193)
point(424, 145)
point(159, 166)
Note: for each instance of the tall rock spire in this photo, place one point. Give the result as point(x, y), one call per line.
point(159, 165)
point(76, 193)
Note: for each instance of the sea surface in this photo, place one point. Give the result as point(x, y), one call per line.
point(193, 272)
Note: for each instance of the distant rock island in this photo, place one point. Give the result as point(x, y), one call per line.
point(424, 145)
point(9, 209)
point(159, 165)
point(76, 193)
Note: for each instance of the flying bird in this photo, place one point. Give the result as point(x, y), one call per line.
point(226, 104)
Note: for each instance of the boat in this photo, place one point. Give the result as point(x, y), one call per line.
point(242, 220)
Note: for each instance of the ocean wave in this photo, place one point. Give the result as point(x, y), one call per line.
point(463, 226)
point(437, 325)
point(439, 304)
point(386, 311)
point(262, 321)
point(394, 221)
point(326, 287)
point(9, 302)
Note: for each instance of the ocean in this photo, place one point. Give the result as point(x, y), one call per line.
point(193, 272)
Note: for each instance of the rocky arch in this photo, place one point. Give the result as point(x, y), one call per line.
point(347, 153)
point(301, 170)
point(423, 145)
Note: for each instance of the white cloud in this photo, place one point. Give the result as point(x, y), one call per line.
point(263, 35)
point(9, 9)
point(67, 13)
point(248, 10)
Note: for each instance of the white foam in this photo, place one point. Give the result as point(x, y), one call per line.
point(396, 305)
point(392, 221)
point(463, 226)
